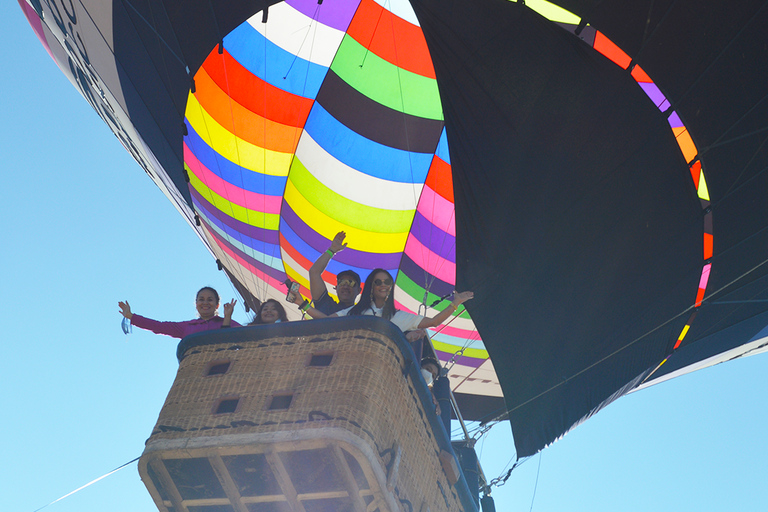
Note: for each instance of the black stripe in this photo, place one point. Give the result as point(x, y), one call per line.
point(375, 121)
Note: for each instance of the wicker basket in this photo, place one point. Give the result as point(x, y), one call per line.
point(303, 416)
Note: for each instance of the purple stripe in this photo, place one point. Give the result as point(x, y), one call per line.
point(337, 13)
point(434, 238)
point(472, 362)
point(675, 121)
point(653, 92)
point(269, 236)
point(417, 274)
point(274, 273)
point(348, 256)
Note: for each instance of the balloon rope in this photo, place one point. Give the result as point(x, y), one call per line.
point(620, 349)
point(536, 485)
point(90, 483)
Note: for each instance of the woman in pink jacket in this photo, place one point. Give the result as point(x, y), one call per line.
point(207, 304)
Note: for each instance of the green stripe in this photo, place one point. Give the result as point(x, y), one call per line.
point(347, 211)
point(417, 292)
point(385, 83)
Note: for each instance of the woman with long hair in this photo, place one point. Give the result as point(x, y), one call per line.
point(270, 312)
point(377, 299)
point(207, 305)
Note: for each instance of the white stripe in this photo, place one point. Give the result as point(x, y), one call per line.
point(298, 34)
point(353, 184)
point(401, 9)
point(412, 304)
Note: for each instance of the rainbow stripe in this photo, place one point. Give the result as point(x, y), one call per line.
point(328, 118)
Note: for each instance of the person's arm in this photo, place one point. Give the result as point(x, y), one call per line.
point(458, 300)
point(173, 329)
point(316, 313)
point(229, 308)
point(316, 284)
point(305, 307)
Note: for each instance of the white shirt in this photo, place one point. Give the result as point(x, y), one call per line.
point(403, 319)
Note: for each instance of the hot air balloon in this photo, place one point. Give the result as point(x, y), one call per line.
point(595, 175)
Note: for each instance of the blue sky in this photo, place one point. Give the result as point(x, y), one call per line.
point(85, 227)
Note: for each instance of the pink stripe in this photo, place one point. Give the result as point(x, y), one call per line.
point(437, 266)
point(274, 283)
point(456, 332)
point(705, 276)
point(232, 193)
point(37, 25)
point(438, 210)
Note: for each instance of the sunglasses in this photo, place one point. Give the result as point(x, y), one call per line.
point(385, 282)
point(347, 282)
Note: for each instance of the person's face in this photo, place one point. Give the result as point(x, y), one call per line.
point(381, 290)
point(431, 368)
point(206, 304)
point(347, 289)
point(269, 313)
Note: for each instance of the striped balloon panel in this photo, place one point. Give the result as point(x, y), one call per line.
point(327, 118)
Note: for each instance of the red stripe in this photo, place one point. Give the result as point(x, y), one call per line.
point(254, 93)
point(242, 122)
point(440, 178)
point(392, 38)
point(696, 173)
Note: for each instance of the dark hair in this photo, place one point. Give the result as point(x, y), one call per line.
point(215, 293)
point(388, 311)
point(280, 312)
point(350, 273)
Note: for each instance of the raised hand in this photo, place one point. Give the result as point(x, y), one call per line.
point(229, 308)
point(337, 244)
point(460, 298)
point(125, 309)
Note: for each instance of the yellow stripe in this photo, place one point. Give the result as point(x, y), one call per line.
point(347, 210)
point(703, 190)
point(553, 12)
point(682, 334)
point(326, 226)
point(235, 149)
point(250, 217)
point(476, 353)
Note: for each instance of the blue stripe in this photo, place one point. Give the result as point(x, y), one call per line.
point(231, 172)
point(459, 342)
point(270, 236)
point(274, 273)
point(290, 223)
point(260, 251)
point(282, 70)
point(363, 154)
point(442, 148)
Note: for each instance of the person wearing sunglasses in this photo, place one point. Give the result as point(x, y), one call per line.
point(377, 299)
point(347, 281)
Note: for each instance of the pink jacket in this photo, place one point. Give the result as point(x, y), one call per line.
point(179, 329)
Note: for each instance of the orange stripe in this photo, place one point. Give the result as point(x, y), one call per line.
point(298, 258)
point(391, 38)
point(696, 172)
point(708, 246)
point(293, 253)
point(240, 121)
point(440, 178)
point(255, 94)
point(610, 50)
point(699, 297)
point(640, 75)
